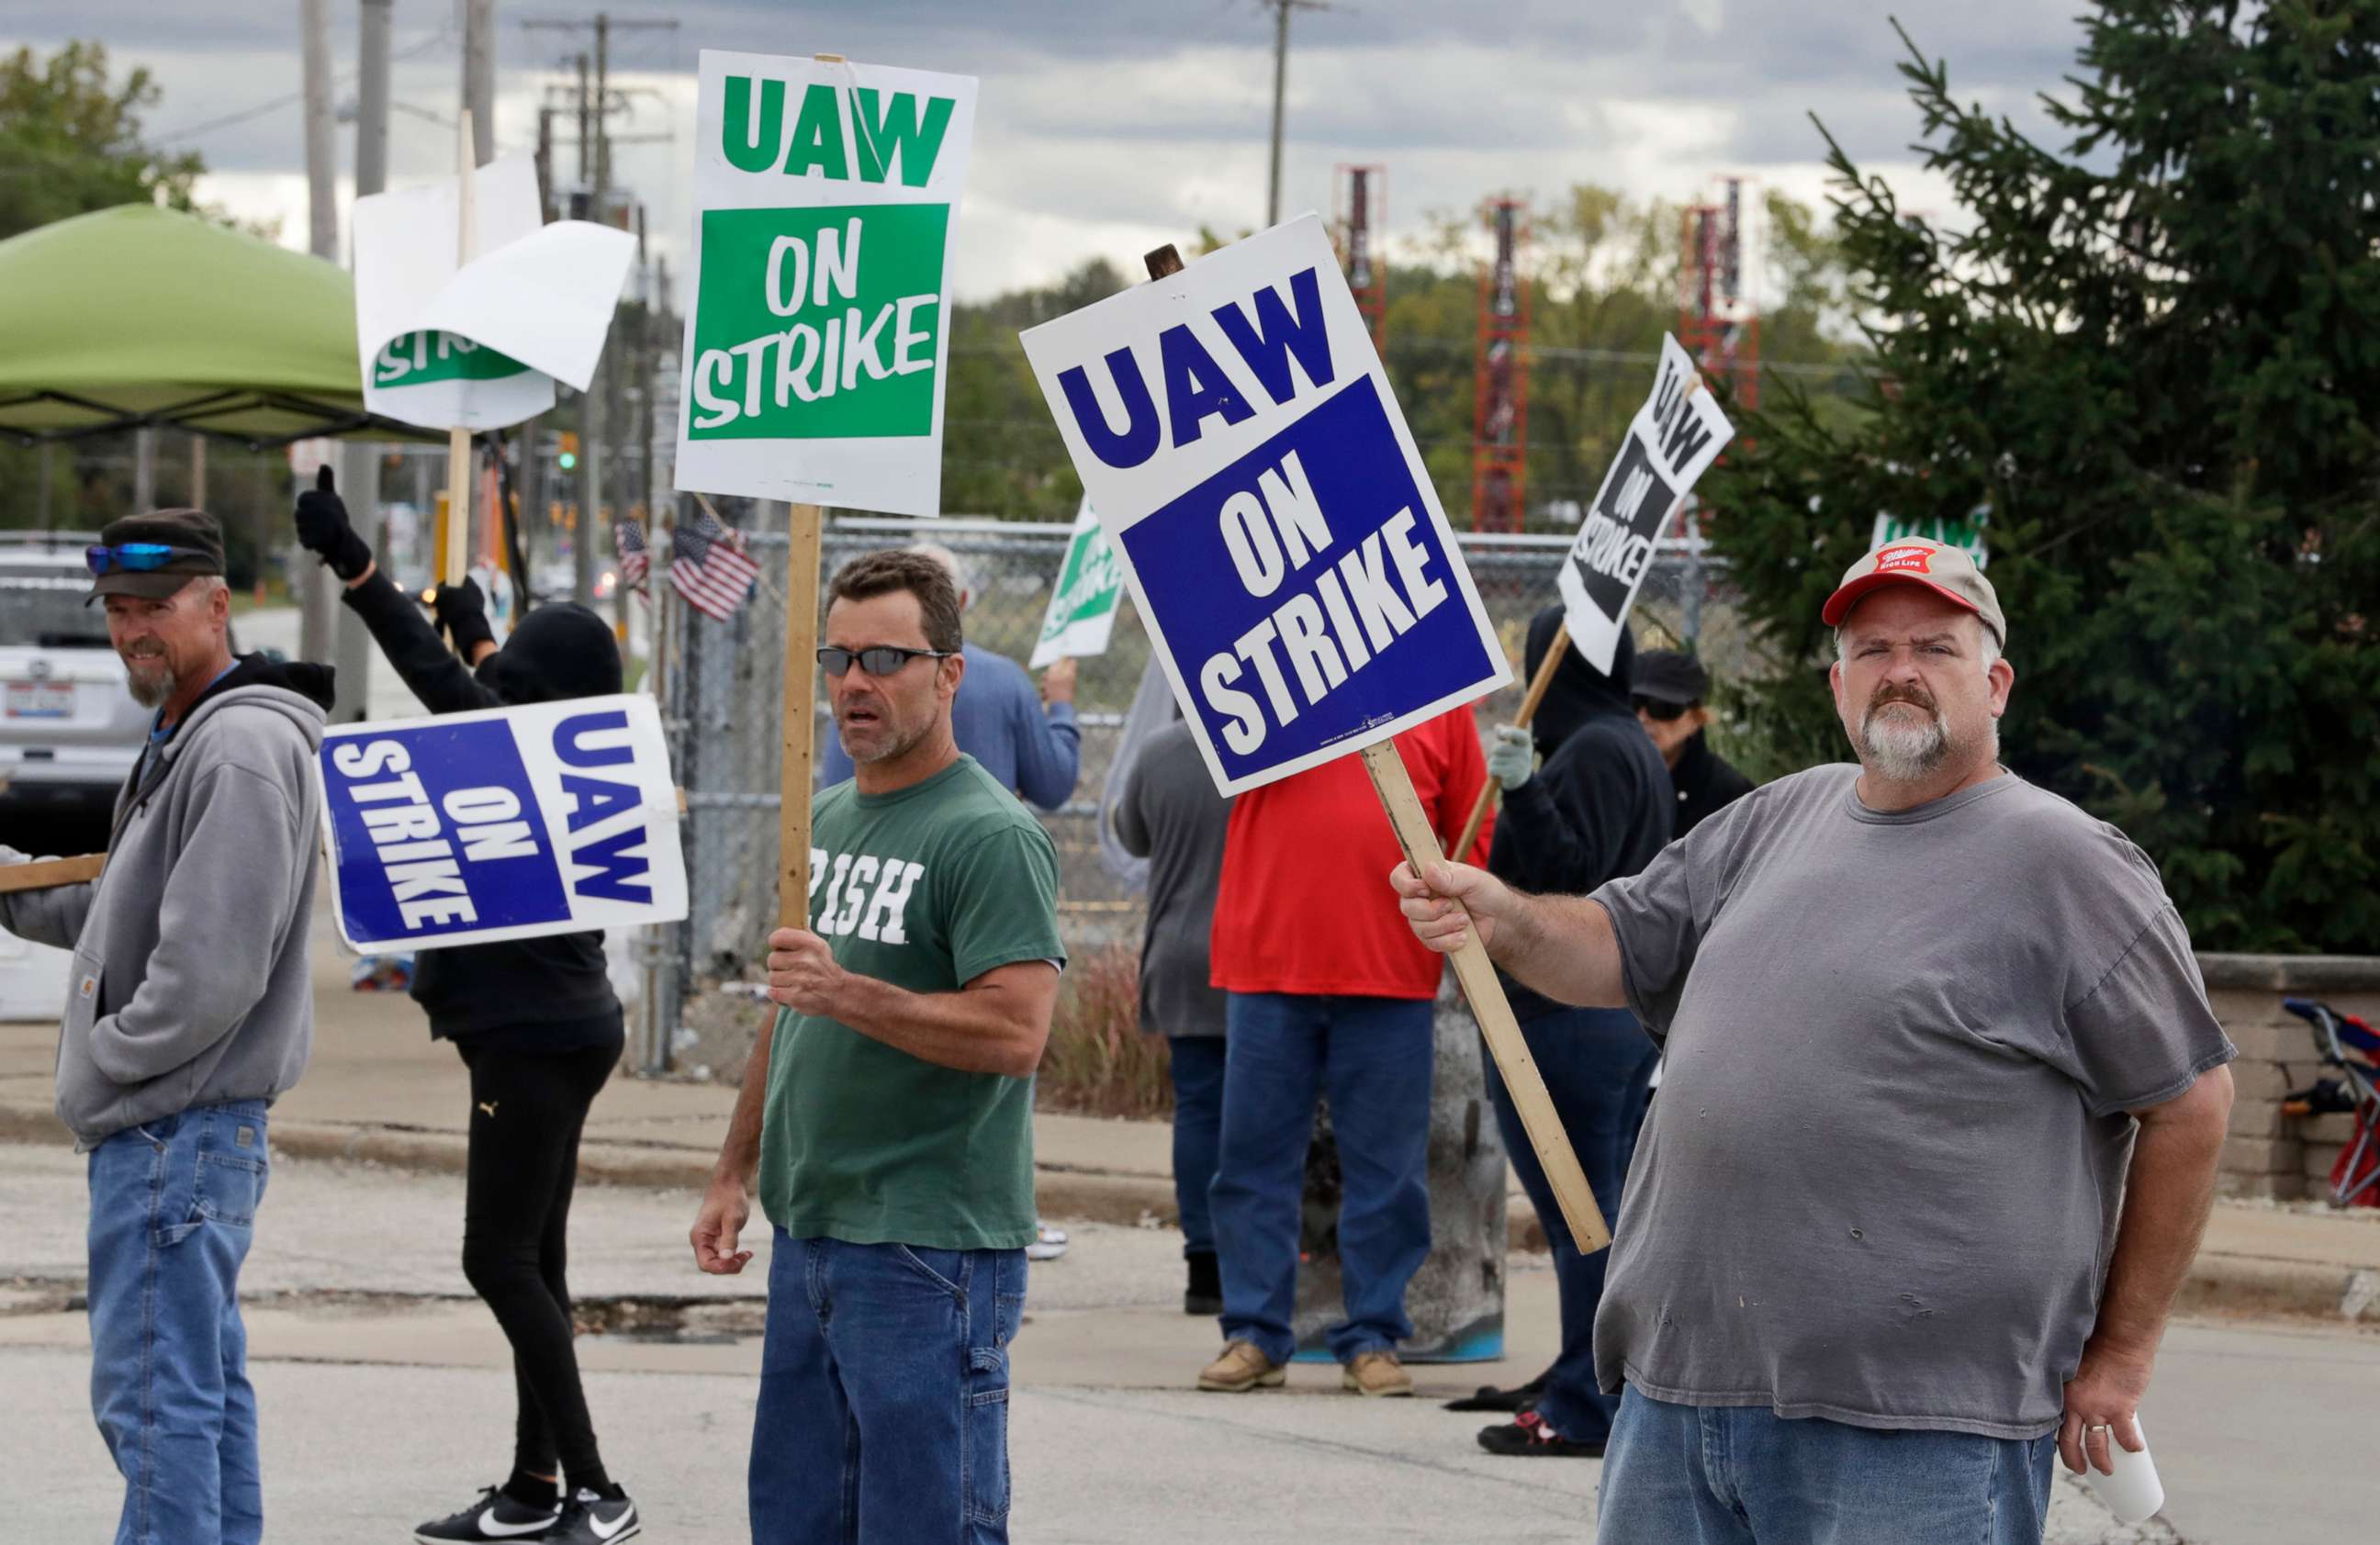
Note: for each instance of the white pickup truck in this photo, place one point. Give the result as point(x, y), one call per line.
point(69, 732)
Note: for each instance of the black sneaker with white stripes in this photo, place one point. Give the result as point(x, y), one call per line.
point(589, 1519)
point(493, 1517)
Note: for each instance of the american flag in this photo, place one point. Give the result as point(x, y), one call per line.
point(708, 567)
point(634, 557)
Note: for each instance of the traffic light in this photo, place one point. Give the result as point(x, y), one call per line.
point(567, 458)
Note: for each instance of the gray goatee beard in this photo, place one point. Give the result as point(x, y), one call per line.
point(1902, 752)
point(151, 681)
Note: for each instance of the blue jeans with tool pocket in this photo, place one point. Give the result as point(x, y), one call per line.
point(1742, 1475)
point(173, 1207)
point(883, 1412)
point(1372, 1057)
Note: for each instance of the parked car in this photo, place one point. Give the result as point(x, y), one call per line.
point(70, 730)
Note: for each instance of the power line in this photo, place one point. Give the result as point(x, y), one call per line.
point(244, 114)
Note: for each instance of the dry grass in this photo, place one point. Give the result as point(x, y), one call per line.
point(1097, 1062)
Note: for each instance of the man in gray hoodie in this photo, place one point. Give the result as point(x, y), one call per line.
point(188, 1009)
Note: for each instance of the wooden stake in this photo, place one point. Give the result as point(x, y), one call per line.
point(48, 872)
point(1474, 969)
point(1476, 974)
point(804, 526)
point(1536, 695)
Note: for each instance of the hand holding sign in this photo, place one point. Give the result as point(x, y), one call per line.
point(803, 975)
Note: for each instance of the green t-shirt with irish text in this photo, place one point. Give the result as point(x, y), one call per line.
point(927, 888)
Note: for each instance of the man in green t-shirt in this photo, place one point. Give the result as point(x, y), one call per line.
point(888, 1111)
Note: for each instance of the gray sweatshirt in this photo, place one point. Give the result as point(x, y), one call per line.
point(191, 984)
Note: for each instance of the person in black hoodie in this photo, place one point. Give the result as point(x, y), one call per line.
point(539, 1028)
point(1599, 808)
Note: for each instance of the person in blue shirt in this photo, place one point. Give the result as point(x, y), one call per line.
point(1024, 738)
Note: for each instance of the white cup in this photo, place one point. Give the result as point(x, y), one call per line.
point(2133, 1492)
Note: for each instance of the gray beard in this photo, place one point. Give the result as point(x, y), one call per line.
point(1900, 752)
point(149, 688)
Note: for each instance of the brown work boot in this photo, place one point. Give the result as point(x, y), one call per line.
point(1241, 1367)
point(1377, 1373)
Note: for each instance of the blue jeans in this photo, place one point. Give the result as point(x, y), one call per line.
point(173, 1207)
point(1197, 1064)
point(883, 1414)
point(1372, 1057)
point(1742, 1474)
point(1598, 1064)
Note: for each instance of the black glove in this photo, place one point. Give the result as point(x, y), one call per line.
point(462, 613)
point(322, 529)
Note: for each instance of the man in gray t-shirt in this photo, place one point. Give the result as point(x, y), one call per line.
point(1941, 1107)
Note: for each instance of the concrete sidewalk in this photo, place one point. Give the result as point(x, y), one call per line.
point(380, 1090)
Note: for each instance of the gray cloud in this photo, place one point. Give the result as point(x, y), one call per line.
point(1101, 126)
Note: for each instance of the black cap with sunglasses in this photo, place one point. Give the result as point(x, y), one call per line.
point(153, 555)
point(1666, 683)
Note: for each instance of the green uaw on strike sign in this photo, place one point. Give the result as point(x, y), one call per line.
point(816, 336)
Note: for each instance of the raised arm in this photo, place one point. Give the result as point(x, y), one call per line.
point(1049, 745)
point(1561, 945)
point(429, 669)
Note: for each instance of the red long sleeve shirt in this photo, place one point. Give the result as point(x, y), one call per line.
point(1305, 904)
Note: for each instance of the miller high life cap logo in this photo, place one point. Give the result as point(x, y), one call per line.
point(1905, 561)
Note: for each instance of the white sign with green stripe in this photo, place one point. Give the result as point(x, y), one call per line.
point(1083, 602)
point(450, 345)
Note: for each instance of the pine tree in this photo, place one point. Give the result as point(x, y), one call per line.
point(2152, 357)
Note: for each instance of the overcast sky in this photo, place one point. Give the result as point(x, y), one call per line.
point(1106, 126)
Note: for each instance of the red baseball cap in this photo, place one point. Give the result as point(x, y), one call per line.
point(1948, 571)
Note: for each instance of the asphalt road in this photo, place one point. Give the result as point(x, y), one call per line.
point(386, 1393)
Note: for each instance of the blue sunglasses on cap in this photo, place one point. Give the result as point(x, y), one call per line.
point(138, 558)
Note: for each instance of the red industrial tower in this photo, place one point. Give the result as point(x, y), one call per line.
point(1360, 196)
point(1499, 414)
point(1718, 323)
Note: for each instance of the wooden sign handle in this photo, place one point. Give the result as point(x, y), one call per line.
point(44, 873)
point(1486, 993)
point(1536, 695)
point(800, 726)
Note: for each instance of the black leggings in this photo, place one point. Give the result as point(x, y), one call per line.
point(527, 1111)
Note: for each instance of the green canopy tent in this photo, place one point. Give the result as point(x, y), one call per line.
point(139, 316)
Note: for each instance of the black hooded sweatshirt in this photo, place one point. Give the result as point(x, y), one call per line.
point(1600, 808)
point(542, 995)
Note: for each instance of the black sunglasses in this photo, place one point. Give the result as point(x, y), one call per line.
point(880, 659)
point(138, 558)
point(1654, 708)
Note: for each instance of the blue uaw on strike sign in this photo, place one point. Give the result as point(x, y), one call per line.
point(552, 818)
point(1235, 432)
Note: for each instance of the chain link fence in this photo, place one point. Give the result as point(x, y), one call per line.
point(722, 688)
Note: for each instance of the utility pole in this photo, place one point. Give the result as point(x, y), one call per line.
point(594, 108)
point(479, 76)
point(1280, 9)
point(590, 402)
point(317, 603)
point(359, 469)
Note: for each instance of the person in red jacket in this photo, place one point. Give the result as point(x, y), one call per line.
point(1330, 993)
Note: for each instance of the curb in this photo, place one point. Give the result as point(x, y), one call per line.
point(2229, 1284)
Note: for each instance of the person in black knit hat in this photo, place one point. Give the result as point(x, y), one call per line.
point(539, 1031)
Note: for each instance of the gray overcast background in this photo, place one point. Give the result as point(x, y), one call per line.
point(1106, 129)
